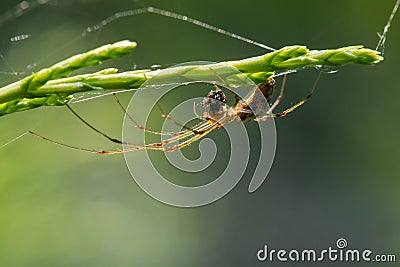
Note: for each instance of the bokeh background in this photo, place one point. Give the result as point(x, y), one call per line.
point(336, 172)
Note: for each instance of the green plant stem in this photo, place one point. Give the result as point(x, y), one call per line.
point(53, 86)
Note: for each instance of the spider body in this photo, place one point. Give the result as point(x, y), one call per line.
point(255, 102)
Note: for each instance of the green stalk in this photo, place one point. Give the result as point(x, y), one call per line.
point(53, 86)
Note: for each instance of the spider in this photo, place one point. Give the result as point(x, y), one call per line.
point(218, 114)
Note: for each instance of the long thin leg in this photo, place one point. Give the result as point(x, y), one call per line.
point(237, 98)
point(165, 115)
point(300, 103)
point(114, 140)
point(138, 125)
point(178, 136)
point(198, 130)
point(155, 146)
point(160, 146)
point(99, 152)
point(194, 138)
point(62, 144)
point(269, 113)
point(276, 103)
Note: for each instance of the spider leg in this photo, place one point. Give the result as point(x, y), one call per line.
point(114, 140)
point(237, 98)
point(195, 138)
point(101, 152)
point(156, 146)
point(138, 125)
point(62, 144)
point(205, 129)
point(197, 114)
point(190, 134)
point(301, 102)
point(279, 98)
point(165, 115)
point(276, 103)
point(269, 113)
point(131, 147)
point(198, 132)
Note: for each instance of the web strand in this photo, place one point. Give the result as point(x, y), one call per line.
point(14, 139)
point(173, 15)
point(381, 44)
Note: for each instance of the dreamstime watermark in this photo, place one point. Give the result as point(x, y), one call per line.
point(144, 170)
point(340, 253)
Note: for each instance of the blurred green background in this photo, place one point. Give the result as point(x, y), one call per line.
point(336, 172)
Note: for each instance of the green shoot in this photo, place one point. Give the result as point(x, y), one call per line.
point(53, 86)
